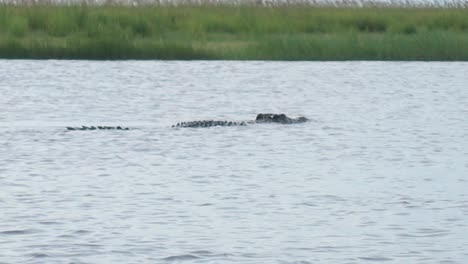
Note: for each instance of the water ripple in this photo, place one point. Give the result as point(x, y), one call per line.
point(184, 257)
point(19, 232)
point(378, 259)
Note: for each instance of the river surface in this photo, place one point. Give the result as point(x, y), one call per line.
point(379, 174)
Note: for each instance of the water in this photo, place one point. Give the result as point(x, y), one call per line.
point(378, 175)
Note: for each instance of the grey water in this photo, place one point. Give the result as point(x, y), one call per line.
point(379, 174)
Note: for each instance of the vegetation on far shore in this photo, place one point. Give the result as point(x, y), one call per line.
point(233, 32)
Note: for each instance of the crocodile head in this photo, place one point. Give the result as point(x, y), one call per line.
point(278, 118)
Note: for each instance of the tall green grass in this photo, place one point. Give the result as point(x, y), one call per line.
point(233, 32)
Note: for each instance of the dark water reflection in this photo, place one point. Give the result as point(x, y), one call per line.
point(379, 175)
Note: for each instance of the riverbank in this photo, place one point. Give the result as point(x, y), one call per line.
point(233, 32)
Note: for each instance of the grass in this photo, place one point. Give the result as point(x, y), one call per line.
point(233, 32)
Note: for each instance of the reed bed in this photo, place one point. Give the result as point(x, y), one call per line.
point(239, 32)
point(316, 3)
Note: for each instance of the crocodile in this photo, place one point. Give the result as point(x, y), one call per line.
point(98, 128)
point(261, 118)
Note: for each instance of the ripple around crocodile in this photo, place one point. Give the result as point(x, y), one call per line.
point(261, 118)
